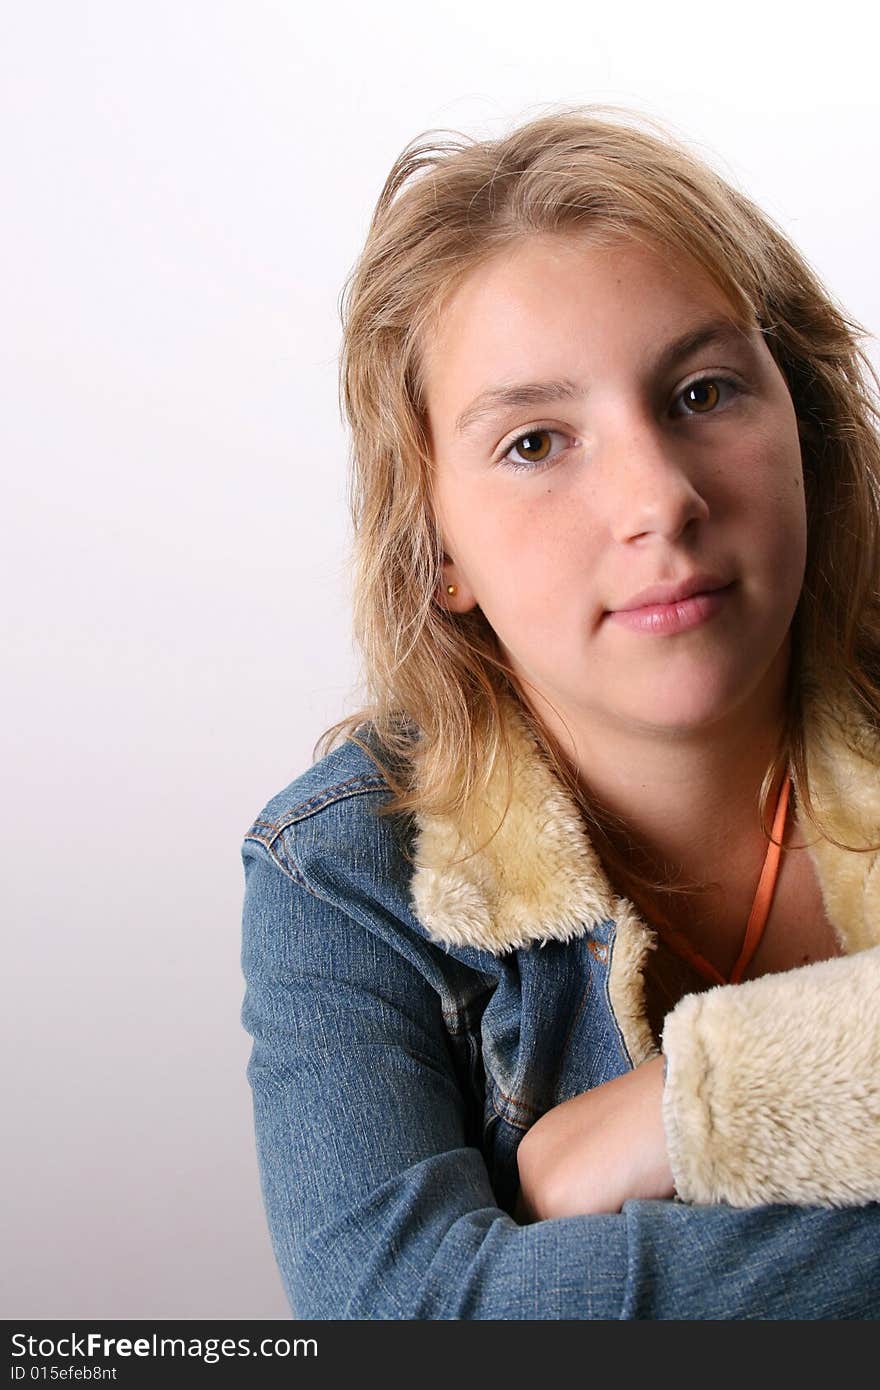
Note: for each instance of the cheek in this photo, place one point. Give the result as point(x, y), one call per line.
point(789, 507)
point(769, 479)
point(501, 534)
point(772, 508)
point(535, 552)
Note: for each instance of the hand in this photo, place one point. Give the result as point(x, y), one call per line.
point(596, 1151)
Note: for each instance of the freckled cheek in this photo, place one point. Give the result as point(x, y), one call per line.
point(521, 548)
point(485, 520)
point(531, 531)
point(536, 573)
point(766, 503)
point(761, 480)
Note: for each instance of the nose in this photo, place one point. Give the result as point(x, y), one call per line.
point(652, 490)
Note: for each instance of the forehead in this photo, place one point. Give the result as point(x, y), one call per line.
point(548, 298)
point(569, 260)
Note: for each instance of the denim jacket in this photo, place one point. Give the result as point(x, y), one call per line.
point(415, 1009)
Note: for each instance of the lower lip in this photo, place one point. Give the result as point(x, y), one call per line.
point(664, 619)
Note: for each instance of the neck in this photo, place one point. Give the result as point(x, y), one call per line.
point(688, 799)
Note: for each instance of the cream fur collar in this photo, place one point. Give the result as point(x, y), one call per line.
point(540, 879)
point(756, 1108)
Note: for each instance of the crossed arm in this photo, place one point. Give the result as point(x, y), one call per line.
point(597, 1150)
point(771, 1094)
point(392, 1214)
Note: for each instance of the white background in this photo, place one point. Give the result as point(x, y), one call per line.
point(185, 186)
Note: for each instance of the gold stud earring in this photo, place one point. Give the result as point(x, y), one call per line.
point(452, 588)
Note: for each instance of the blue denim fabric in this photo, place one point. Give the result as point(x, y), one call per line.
point(393, 1079)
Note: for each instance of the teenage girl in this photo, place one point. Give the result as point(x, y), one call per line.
point(562, 965)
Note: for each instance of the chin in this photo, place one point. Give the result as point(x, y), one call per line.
point(677, 702)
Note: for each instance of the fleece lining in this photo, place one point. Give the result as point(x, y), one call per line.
point(773, 1086)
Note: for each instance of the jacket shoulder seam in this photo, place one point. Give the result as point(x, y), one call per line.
point(280, 861)
point(267, 831)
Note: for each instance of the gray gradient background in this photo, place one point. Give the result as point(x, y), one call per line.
point(185, 187)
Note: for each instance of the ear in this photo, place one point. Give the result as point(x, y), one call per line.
point(461, 599)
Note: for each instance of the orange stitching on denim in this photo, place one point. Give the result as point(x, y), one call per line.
point(511, 1119)
point(511, 1100)
point(365, 782)
point(578, 1011)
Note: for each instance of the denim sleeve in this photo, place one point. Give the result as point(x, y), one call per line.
point(378, 1208)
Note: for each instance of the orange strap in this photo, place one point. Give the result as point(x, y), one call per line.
point(679, 943)
point(766, 886)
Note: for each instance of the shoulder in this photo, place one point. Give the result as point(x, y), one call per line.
point(345, 773)
point(323, 842)
point(326, 829)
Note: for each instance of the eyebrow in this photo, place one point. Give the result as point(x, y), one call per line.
point(532, 393)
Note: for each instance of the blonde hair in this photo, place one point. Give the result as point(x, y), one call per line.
point(435, 681)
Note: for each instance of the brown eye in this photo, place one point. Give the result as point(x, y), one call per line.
point(701, 396)
point(708, 395)
point(534, 449)
point(533, 446)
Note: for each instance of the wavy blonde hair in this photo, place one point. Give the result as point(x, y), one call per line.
point(435, 681)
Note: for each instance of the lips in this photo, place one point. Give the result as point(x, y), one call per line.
point(693, 603)
point(657, 594)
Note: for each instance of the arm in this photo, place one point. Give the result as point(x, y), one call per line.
point(772, 1094)
point(378, 1207)
point(773, 1087)
point(597, 1150)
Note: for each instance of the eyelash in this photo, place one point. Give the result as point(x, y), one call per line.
point(524, 466)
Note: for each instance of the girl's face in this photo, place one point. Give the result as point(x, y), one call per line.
point(584, 452)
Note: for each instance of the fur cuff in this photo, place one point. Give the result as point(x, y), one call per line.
point(772, 1091)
